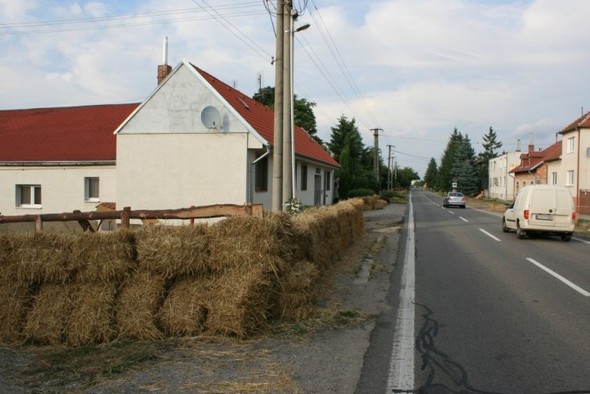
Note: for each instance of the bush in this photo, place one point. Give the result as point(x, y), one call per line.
point(360, 193)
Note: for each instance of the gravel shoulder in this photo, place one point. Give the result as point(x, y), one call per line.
point(323, 354)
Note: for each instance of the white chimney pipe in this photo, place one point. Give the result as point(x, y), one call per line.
point(165, 51)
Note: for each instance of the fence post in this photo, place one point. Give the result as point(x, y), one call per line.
point(125, 215)
point(38, 224)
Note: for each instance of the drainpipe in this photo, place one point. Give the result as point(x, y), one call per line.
point(252, 175)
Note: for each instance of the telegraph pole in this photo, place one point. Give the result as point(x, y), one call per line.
point(277, 154)
point(389, 168)
point(287, 102)
point(376, 152)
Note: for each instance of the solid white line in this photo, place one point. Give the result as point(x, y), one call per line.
point(463, 219)
point(489, 235)
point(401, 366)
point(561, 278)
point(581, 240)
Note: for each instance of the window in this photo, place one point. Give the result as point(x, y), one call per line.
point(328, 180)
point(261, 175)
point(303, 177)
point(91, 189)
point(571, 145)
point(28, 196)
point(554, 178)
point(570, 178)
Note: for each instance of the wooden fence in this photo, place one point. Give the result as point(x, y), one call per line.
point(125, 215)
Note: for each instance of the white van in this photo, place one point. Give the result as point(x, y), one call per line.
point(541, 209)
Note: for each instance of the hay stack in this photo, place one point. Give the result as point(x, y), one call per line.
point(240, 302)
point(184, 311)
point(47, 321)
point(138, 303)
point(39, 258)
point(92, 317)
point(15, 300)
point(297, 291)
point(102, 257)
point(173, 251)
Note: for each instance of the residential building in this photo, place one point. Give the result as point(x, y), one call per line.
point(534, 166)
point(194, 141)
point(501, 184)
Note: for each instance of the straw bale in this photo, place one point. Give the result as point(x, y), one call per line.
point(103, 256)
point(380, 204)
point(40, 258)
point(313, 223)
point(15, 300)
point(92, 315)
point(138, 302)
point(46, 323)
point(297, 291)
point(184, 311)
point(173, 251)
point(241, 301)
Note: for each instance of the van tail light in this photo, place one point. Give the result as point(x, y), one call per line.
point(574, 216)
point(526, 214)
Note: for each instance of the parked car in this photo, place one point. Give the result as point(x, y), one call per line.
point(454, 199)
point(541, 209)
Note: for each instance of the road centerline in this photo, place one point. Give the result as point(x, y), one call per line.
point(561, 278)
point(490, 235)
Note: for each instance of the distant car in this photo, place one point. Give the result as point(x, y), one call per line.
point(454, 199)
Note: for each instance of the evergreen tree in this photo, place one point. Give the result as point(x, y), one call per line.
point(464, 169)
point(490, 146)
point(431, 174)
point(445, 174)
point(405, 176)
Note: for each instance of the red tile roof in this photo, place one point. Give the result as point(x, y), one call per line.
point(582, 122)
point(532, 160)
point(61, 134)
point(261, 118)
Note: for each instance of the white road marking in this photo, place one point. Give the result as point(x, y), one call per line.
point(463, 219)
point(401, 366)
point(581, 240)
point(489, 235)
point(561, 278)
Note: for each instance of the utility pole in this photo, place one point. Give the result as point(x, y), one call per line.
point(277, 154)
point(287, 32)
point(376, 152)
point(389, 167)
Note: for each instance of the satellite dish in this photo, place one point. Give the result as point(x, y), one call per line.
point(211, 117)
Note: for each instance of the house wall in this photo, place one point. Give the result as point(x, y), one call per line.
point(317, 192)
point(167, 171)
point(584, 173)
point(501, 182)
point(62, 188)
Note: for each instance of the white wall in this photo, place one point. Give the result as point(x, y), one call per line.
point(169, 171)
point(501, 182)
point(62, 188)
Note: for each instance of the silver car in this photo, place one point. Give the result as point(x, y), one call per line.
point(454, 199)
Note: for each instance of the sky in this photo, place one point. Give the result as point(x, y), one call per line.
point(414, 69)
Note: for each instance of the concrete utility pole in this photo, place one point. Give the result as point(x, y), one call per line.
point(376, 152)
point(389, 167)
point(287, 103)
point(277, 156)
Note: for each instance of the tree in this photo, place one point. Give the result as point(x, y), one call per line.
point(464, 169)
point(431, 174)
point(303, 115)
point(445, 175)
point(405, 176)
point(490, 146)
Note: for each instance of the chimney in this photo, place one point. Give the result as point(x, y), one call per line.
point(531, 142)
point(164, 69)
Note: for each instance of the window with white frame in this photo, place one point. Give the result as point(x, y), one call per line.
point(91, 189)
point(554, 178)
point(571, 145)
point(570, 178)
point(28, 196)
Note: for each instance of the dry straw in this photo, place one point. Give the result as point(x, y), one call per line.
point(297, 291)
point(184, 311)
point(92, 317)
point(173, 251)
point(48, 319)
point(138, 302)
point(102, 257)
point(15, 300)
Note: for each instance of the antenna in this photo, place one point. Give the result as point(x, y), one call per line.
point(165, 51)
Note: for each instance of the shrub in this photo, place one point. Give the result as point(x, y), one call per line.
point(360, 193)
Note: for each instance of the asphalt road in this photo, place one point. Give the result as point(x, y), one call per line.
point(489, 313)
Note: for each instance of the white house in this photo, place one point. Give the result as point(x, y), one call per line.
point(501, 185)
point(194, 141)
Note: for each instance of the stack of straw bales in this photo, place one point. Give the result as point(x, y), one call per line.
point(228, 278)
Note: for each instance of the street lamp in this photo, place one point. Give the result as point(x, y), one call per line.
point(288, 112)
